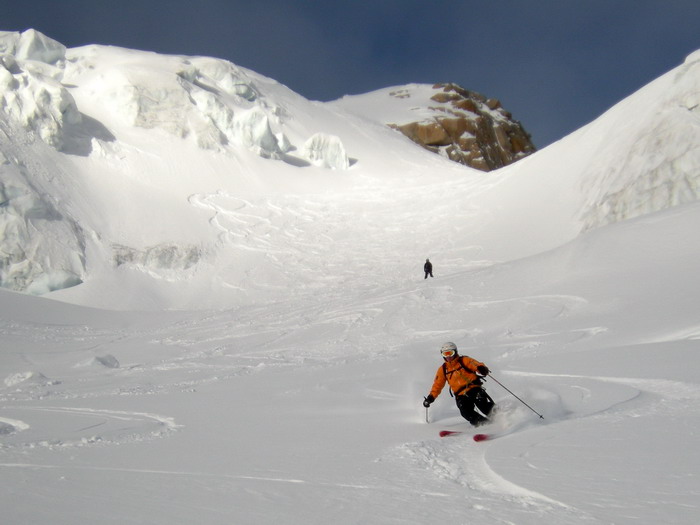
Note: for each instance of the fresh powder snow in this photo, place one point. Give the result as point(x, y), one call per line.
point(213, 306)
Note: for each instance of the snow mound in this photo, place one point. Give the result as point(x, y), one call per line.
point(106, 361)
point(29, 378)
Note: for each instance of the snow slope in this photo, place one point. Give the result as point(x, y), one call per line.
point(124, 166)
point(309, 410)
point(253, 335)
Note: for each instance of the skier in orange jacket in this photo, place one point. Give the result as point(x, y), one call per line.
point(464, 377)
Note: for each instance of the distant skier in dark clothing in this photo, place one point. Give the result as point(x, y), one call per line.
point(463, 374)
point(428, 268)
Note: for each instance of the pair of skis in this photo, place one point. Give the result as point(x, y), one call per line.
point(475, 437)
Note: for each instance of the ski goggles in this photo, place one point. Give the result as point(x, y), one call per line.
point(448, 353)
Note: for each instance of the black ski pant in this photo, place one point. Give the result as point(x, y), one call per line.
point(473, 399)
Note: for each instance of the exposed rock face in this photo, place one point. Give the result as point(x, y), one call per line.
point(468, 128)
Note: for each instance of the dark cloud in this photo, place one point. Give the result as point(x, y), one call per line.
point(555, 64)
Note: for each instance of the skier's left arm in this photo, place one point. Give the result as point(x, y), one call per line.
point(479, 368)
point(482, 370)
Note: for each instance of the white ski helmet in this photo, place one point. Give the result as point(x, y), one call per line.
point(448, 347)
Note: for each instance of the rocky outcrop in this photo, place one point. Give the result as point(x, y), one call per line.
point(468, 128)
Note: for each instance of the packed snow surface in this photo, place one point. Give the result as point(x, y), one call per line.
point(235, 327)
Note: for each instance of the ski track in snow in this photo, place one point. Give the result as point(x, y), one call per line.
point(222, 477)
point(216, 346)
point(64, 427)
point(189, 353)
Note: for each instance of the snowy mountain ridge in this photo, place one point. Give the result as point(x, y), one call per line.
point(208, 158)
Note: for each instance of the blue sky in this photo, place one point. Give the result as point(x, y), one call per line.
point(555, 64)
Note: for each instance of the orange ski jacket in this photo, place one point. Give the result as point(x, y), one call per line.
point(460, 373)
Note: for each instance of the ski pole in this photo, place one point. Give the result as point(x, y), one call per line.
point(427, 420)
point(516, 397)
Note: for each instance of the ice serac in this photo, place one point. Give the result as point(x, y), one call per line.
point(31, 45)
point(252, 129)
point(326, 151)
point(31, 92)
point(40, 249)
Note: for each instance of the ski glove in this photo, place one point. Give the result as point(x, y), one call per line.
point(482, 371)
point(428, 400)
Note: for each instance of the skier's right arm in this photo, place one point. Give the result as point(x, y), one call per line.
point(438, 385)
